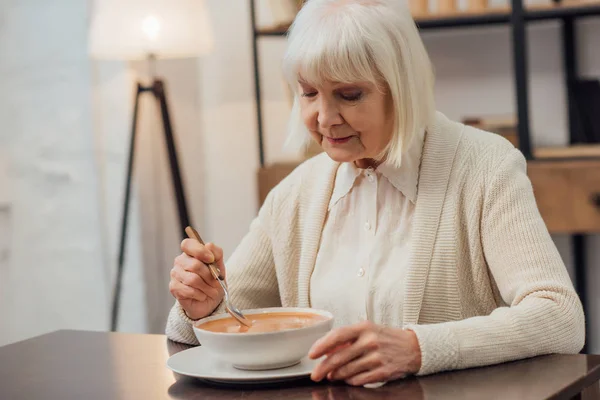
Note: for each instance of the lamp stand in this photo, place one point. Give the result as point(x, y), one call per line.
point(158, 90)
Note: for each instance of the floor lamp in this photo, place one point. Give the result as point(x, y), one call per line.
point(148, 29)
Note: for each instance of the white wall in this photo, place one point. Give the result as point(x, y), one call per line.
point(230, 153)
point(54, 275)
point(63, 147)
point(111, 85)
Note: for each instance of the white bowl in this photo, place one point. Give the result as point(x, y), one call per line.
point(269, 350)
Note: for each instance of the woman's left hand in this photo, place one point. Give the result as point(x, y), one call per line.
point(366, 353)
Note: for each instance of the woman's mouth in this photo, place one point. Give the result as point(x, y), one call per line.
point(338, 140)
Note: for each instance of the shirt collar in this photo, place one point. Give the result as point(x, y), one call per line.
point(344, 181)
point(404, 178)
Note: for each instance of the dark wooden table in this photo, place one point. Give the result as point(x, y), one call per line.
point(93, 365)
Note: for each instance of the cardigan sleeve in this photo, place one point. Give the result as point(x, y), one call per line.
point(251, 278)
point(543, 313)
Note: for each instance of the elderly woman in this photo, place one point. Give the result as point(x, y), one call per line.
point(420, 234)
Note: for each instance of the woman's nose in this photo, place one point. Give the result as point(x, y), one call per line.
point(328, 114)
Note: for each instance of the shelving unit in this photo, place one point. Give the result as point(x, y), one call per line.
point(491, 16)
point(517, 17)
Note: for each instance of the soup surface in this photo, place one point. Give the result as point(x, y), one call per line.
point(267, 322)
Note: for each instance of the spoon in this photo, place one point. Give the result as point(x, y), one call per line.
point(216, 273)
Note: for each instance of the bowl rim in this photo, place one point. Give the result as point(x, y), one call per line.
point(264, 310)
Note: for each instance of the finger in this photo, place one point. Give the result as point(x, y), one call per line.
point(335, 338)
point(216, 251)
point(184, 292)
point(194, 248)
point(335, 359)
point(356, 366)
point(194, 281)
point(369, 377)
point(363, 347)
point(218, 254)
point(191, 264)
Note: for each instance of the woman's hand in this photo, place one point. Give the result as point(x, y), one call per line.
point(366, 353)
point(192, 284)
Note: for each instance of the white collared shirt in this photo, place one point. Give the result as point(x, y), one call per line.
point(365, 244)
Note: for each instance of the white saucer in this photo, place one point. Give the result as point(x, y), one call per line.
point(199, 363)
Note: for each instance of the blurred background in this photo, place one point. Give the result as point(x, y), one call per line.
point(67, 91)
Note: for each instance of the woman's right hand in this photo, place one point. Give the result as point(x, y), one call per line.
point(192, 284)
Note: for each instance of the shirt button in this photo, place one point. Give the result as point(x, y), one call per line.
point(367, 226)
point(361, 272)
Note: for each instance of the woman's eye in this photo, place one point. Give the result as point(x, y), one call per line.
point(351, 96)
point(309, 94)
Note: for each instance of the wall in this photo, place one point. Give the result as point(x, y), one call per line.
point(63, 148)
point(54, 276)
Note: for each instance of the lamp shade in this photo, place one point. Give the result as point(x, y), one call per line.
point(135, 29)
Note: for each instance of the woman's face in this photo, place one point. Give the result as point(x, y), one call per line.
point(351, 122)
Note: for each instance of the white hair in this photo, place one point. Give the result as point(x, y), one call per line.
point(362, 41)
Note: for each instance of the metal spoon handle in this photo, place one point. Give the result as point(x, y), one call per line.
point(214, 270)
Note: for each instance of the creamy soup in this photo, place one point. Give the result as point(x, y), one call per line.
point(267, 322)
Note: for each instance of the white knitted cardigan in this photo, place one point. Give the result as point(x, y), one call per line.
point(485, 283)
